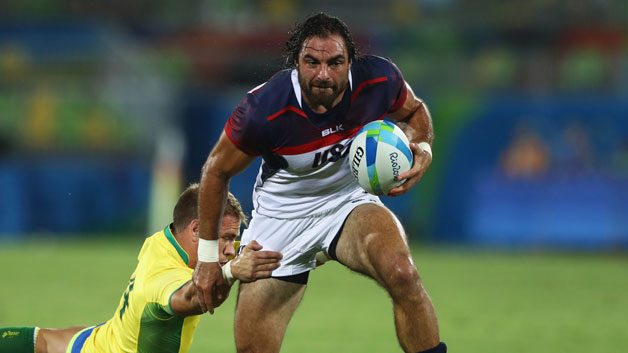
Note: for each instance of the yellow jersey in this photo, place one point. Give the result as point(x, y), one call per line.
point(144, 321)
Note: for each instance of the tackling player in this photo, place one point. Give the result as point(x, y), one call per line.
point(159, 309)
point(301, 122)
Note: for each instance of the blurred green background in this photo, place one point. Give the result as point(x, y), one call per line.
point(108, 109)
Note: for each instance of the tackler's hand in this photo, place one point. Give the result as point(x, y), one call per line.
point(209, 285)
point(422, 160)
point(253, 264)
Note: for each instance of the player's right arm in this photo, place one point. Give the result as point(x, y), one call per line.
point(184, 302)
point(224, 161)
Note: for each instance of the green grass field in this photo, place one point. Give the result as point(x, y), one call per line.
point(486, 301)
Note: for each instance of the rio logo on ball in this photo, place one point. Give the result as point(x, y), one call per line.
point(379, 153)
point(393, 163)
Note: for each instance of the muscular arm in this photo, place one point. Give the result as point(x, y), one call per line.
point(415, 120)
point(224, 161)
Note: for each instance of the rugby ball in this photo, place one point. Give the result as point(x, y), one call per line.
point(379, 152)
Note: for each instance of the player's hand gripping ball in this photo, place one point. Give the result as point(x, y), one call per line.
point(378, 154)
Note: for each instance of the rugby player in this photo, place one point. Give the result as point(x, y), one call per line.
point(301, 122)
point(159, 310)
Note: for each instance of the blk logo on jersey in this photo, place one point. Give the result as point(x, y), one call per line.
point(332, 130)
point(331, 154)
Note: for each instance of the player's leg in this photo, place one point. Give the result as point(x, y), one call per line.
point(33, 339)
point(263, 311)
point(373, 242)
point(51, 340)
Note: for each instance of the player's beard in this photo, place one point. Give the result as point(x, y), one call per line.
point(325, 96)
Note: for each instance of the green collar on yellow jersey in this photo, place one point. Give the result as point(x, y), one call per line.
point(176, 245)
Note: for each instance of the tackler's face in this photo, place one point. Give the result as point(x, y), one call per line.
point(323, 69)
point(229, 230)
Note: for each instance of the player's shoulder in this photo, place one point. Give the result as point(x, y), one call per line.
point(276, 89)
point(160, 244)
point(371, 66)
point(149, 243)
point(267, 98)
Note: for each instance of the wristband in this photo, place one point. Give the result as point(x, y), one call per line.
point(226, 273)
point(207, 250)
point(425, 147)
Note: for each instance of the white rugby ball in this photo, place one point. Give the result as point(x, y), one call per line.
point(379, 153)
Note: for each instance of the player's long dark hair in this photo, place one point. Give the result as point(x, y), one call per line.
point(319, 25)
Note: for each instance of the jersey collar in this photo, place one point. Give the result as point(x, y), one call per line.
point(175, 243)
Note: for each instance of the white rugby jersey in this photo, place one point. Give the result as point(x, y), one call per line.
point(305, 170)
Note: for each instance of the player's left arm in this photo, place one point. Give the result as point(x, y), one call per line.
point(415, 120)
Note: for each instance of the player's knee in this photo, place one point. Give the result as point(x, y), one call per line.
point(401, 277)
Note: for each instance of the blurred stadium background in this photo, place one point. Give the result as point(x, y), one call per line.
point(108, 108)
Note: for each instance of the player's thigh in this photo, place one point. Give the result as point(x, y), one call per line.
point(372, 238)
point(56, 340)
point(264, 309)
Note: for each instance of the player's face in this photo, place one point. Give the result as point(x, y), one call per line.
point(323, 69)
point(229, 230)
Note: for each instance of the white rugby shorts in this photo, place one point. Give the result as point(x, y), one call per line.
point(299, 239)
